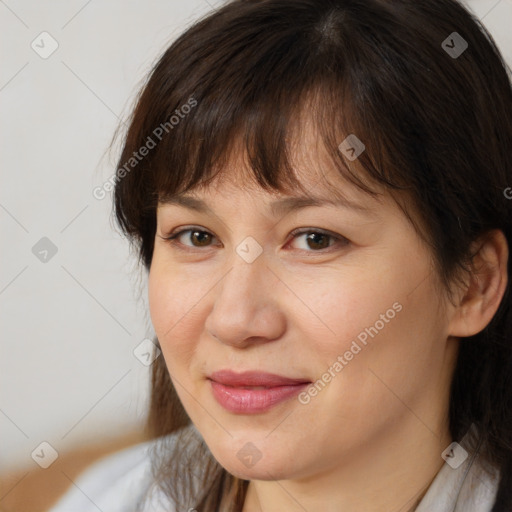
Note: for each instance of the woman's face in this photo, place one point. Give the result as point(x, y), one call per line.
point(349, 305)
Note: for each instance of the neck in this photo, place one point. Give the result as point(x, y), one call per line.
point(391, 475)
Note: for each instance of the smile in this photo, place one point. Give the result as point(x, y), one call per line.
point(253, 392)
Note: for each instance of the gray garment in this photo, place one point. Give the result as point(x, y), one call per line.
point(117, 482)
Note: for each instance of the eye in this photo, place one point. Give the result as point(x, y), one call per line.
point(202, 237)
point(317, 240)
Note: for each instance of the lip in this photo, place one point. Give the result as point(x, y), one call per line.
point(233, 390)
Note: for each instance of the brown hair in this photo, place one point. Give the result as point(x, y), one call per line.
point(437, 126)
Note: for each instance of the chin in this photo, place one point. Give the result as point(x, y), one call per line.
point(260, 471)
point(249, 463)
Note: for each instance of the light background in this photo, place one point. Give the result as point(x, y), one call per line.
point(68, 374)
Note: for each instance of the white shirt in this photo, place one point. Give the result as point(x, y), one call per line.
point(118, 481)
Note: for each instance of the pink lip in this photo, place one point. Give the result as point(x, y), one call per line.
point(233, 390)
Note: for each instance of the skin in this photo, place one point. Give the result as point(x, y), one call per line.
point(372, 438)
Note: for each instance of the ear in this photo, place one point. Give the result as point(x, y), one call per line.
point(480, 299)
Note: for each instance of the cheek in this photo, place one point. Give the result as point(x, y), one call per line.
point(162, 300)
point(385, 321)
point(349, 306)
point(171, 300)
point(385, 364)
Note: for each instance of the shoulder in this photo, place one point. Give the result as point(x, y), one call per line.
point(120, 482)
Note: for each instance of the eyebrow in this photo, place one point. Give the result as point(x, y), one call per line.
point(278, 207)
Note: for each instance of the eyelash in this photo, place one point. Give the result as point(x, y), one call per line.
point(171, 238)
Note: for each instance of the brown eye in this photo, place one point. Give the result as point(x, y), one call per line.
point(317, 241)
point(202, 237)
point(196, 237)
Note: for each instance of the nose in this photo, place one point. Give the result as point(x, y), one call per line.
point(246, 309)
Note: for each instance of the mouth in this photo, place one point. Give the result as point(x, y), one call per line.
point(253, 392)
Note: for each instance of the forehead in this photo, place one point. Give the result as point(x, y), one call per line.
point(234, 185)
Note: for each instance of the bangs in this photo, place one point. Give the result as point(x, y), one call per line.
point(264, 139)
point(251, 89)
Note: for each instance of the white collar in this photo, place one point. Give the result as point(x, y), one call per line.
point(471, 487)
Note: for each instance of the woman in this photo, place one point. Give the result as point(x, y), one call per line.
point(318, 191)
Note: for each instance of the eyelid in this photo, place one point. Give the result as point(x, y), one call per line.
point(181, 229)
point(172, 235)
point(301, 231)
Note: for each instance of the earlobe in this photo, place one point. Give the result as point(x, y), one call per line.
point(486, 286)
